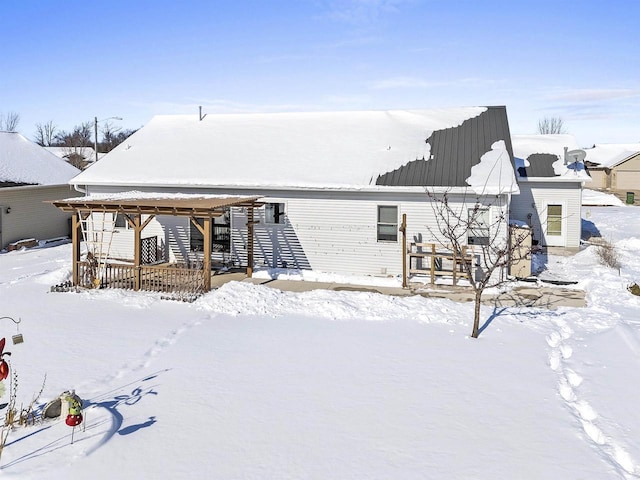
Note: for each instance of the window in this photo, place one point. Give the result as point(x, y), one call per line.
point(554, 219)
point(121, 222)
point(220, 234)
point(478, 226)
point(387, 223)
point(274, 213)
point(196, 237)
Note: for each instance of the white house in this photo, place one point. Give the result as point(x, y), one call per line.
point(551, 182)
point(335, 185)
point(30, 175)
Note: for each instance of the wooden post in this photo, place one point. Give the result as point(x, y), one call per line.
point(76, 234)
point(207, 254)
point(250, 242)
point(433, 263)
point(137, 250)
point(455, 267)
point(403, 229)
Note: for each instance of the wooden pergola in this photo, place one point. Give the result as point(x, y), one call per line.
point(133, 209)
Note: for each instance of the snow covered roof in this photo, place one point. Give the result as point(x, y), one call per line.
point(301, 150)
point(64, 152)
point(542, 157)
point(23, 162)
point(610, 155)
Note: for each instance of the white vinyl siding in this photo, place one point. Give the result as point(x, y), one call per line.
point(324, 231)
point(121, 247)
point(530, 206)
point(336, 235)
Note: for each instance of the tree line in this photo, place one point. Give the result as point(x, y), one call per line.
point(78, 142)
point(81, 138)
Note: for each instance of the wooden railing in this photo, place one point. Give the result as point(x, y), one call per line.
point(434, 260)
point(172, 279)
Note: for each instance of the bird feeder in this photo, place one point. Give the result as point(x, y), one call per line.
point(17, 338)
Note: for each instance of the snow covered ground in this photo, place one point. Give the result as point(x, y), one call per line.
point(252, 383)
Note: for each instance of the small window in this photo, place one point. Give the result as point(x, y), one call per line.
point(478, 226)
point(274, 213)
point(387, 223)
point(554, 219)
point(121, 222)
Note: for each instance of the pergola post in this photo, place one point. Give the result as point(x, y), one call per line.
point(76, 235)
point(250, 223)
point(137, 250)
point(207, 253)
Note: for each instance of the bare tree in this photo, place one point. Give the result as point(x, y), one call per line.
point(9, 122)
point(46, 133)
point(77, 144)
point(551, 125)
point(113, 136)
point(486, 226)
point(80, 136)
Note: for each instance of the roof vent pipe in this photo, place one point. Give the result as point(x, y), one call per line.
point(200, 113)
point(566, 160)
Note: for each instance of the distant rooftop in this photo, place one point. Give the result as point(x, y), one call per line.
point(609, 155)
point(23, 162)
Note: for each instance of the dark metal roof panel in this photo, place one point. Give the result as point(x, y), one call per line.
point(540, 165)
point(453, 152)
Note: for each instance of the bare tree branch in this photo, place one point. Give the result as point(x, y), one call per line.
point(46, 133)
point(9, 122)
point(553, 125)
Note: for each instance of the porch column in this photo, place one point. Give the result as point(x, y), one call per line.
point(207, 254)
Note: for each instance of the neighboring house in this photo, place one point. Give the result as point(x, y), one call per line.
point(614, 166)
point(30, 175)
point(335, 186)
point(79, 157)
point(551, 184)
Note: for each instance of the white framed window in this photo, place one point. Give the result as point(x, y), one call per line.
point(478, 219)
point(554, 220)
point(387, 226)
point(274, 213)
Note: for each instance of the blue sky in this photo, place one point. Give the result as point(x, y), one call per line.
point(71, 61)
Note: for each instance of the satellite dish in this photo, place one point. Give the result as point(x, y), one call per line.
point(576, 155)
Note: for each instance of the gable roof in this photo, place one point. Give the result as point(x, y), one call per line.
point(23, 162)
point(541, 157)
point(611, 155)
point(454, 151)
point(293, 150)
